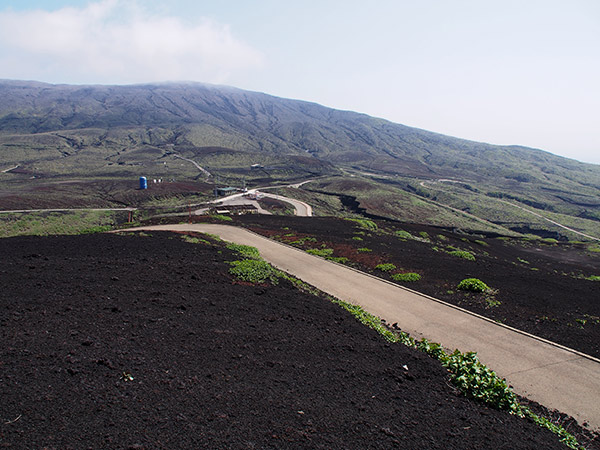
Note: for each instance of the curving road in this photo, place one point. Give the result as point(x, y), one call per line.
point(553, 375)
point(301, 208)
point(424, 184)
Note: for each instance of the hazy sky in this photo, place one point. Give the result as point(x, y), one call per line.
point(521, 72)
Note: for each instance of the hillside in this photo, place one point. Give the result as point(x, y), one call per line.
point(195, 359)
point(120, 131)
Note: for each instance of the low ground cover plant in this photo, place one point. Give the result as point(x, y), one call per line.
point(365, 223)
point(221, 217)
point(402, 234)
point(462, 254)
point(385, 267)
point(254, 271)
point(301, 241)
point(323, 252)
point(327, 253)
point(473, 285)
point(56, 223)
point(194, 239)
point(245, 250)
point(409, 276)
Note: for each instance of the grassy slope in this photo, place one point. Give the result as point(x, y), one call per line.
point(125, 131)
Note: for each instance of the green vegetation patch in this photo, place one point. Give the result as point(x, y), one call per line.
point(246, 251)
point(56, 223)
point(338, 259)
point(402, 234)
point(322, 252)
point(327, 253)
point(303, 240)
point(593, 278)
point(254, 271)
point(364, 250)
point(386, 267)
point(462, 254)
point(365, 223)
point(550, 241)
point(473, 285)
point(221, 217)
point(409, 276)
point(193, 239)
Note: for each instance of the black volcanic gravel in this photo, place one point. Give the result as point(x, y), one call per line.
point(146, 342)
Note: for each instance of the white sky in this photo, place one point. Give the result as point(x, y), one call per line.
point(521, 72)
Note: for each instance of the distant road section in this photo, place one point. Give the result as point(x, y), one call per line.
point(10, 168)
point(198, 166)
point(426, 184)
point(551, 221)
point(301, 209)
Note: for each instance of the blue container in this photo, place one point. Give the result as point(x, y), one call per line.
point(143, 183)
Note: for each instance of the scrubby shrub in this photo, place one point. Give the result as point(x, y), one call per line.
point(463, 254)
point(386, 267)
point(409, 276)
point(473, 285)
point(404, 234)
point(549, 241)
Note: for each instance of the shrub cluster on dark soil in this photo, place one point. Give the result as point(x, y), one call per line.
point(539, 287)
point(147, 342)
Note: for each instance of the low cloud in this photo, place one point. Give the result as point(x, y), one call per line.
point(118, 41)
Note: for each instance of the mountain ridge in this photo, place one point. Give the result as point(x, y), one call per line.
point(240, 108)
point(58, 129)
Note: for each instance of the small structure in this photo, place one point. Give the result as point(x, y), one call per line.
point(143, 183)
point(236, 210)
point(224, 191)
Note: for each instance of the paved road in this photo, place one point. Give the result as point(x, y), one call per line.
point(10, 168)
point(300, 208)
point(427, 184)
point(548, 373)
